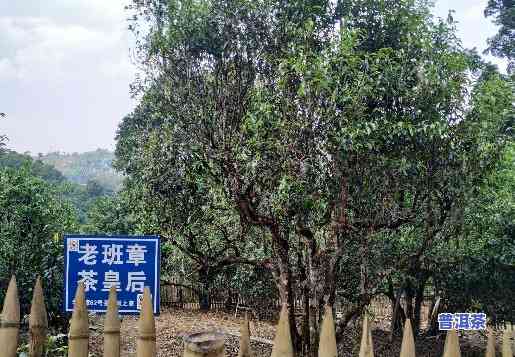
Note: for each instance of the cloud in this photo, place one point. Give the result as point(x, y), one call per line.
point(38, 48)
point(475, 12)
point(7, 69)
point(104, 14)
point(65, 68)
point(65, 73)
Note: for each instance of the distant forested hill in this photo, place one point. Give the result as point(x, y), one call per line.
point(80, 179)
point(88, 166)
point(38, 168)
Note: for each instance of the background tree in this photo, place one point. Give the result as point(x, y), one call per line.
point(111, 215)
point(503, 43)
point(80, 196)
point(478, 271)
point(87, 166)
point(471, 154)
point(32, 221)
point(3, 138)
point(83, 198)
point(38, 168)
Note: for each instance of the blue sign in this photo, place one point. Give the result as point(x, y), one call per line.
point(129, 263)
point(462, 321)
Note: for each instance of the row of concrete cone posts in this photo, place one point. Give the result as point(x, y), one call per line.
point(202, 344)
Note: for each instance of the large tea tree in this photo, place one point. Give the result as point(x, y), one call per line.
point(32, 220)
point(322, 126)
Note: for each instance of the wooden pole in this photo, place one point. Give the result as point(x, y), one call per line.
point(78, 338)
point(408, 341)
point(327, 345)
point(245, 350)
point(146, 340)
point(112, 326)
point(204, 344)
point(283, 346)
point(10, 321)
point(38, 322)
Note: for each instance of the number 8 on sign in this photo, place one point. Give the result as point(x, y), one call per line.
point(73, 245)
point(139, 300)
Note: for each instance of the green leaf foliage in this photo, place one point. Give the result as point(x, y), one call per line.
point(502, 44)
point(340, 144)
point(33, 219)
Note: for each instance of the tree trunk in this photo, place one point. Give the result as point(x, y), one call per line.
point(432, 327)
point(284, 282)
point(303, 281)
point(204, 300)
point(398, 315)
point(306, 338)
point(181, 298)
point(409, 301)
point(286, 296)
point(315, 293)
point(204, 296)
point(419, 299)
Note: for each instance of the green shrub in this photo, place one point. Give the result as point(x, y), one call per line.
point(32, 221)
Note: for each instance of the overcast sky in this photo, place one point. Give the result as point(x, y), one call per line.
point(65, 69)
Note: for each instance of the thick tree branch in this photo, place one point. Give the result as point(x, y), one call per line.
point(173, 283)
point(186, 251)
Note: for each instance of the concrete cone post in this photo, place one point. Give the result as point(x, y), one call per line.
point(245, 350)
point(370, 341)
point(283, 346)
point(10, 321)
point(327, 345)
point(446, 342)
point(112, 326)
point(490, 346)
point(146, 340)
point(78, 337)
point(364, 338)
point(506, 343)
point(38, 322)
point(408, 341)
point(452, 344)
point(367, 348)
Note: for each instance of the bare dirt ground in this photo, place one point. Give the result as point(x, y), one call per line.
point(172, 325)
